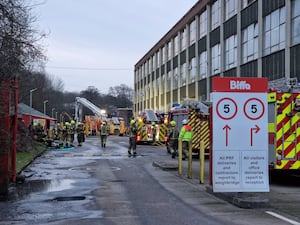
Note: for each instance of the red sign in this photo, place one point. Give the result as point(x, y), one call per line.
point(239, 84)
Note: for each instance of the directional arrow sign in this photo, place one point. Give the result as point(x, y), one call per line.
point(226, 128)
point(256, 129)
point(240, 134)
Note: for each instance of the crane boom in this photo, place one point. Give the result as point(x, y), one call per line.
point(83, 101)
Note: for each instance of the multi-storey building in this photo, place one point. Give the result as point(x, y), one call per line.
point(239, 38)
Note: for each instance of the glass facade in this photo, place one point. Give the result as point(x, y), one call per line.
point(203, 65)
point(203, 24)
point(215, 59)
point(274, 31)
point(215, 14)
point(295, 22)
point(230, 8)
point(241, 42)
point(230, 52)
point(192, 70)
point(250, 43)
point(192, 32)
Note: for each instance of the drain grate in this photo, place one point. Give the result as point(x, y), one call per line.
point(69, 198)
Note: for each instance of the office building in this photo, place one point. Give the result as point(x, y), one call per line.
point(226, 38)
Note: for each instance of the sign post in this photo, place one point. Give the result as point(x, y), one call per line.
point(240, 135)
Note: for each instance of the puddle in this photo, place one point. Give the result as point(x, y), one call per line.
point(59, 185)
point(23, 190)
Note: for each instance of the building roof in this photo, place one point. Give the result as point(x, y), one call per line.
point(25, 109)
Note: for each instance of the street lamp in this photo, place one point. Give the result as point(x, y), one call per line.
point(30, 103)
point(56, 116)
point(52, 112)
point(45, 106)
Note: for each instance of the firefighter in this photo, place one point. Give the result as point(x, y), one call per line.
point(173, 139)
point(67, 132)
point(80, 133)
point(132, 138)
point(104, 132)
point(55, 132)
point(72, 131)
point(185, 136)
point(153, 128)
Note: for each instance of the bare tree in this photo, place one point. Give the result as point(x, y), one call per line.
point(18, 40)
point(121, 91)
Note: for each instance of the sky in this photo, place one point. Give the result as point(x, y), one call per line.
point(98, 42)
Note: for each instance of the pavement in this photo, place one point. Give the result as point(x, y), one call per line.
point(247, 200)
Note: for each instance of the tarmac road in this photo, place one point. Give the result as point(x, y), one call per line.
point(90, 185)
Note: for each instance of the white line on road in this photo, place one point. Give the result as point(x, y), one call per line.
point(283, 218)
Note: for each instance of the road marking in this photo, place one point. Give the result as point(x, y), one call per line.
point(283, 218)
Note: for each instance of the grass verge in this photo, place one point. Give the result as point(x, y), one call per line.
point(25, 158)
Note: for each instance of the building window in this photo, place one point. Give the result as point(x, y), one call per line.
point(158, 85)
point(157, 59)
point(153, 88)
point(230, 8)
point(193, 70)
point(274, 30)
point(295, 22)
point(250, 43)
point(215, 59)
point(183, 39)
point(169, 50)
point(169, 81)
point(164, 55)
point(154, 61)
point(245, 3)
point(183, 74)
point(215, 14)
point(163, 82)
point(176, 44)
point(230, 52)
point(203, 24)
point(175, 81)
point(203, 65)
point(192, 32)
point(150, 65)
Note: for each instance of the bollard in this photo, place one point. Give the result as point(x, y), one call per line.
point(190, 172)
point(179, 156)
point(201, 160)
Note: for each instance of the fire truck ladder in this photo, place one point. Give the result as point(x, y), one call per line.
point(83, 101)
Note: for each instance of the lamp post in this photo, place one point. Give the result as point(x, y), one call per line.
point(52, 112)
point(30, 103)
point(56, 116)
point(45, 102)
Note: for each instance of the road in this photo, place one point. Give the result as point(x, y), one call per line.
point(90, 185)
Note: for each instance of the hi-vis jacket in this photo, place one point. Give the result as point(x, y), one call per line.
point(186, 133)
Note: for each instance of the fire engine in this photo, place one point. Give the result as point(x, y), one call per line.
point(197, 113)
point(284, 127)
point(150, 123)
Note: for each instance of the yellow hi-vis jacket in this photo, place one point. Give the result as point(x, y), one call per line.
point(186, 133)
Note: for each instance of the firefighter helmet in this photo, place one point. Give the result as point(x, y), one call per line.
point(173, 123)
point(132, 121)
point(72, 121)
point(184, 122)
